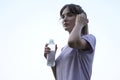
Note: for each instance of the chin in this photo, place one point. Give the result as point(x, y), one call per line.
point(67, 30)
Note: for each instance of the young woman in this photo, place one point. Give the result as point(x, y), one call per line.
point(76, 58)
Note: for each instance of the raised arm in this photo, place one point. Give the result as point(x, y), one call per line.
point(75, 40)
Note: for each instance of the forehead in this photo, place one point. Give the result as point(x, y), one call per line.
point(65, 11)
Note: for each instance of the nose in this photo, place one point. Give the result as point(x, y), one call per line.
point(65, 19)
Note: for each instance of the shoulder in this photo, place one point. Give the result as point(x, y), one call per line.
point(89, 37)
point(91, 40)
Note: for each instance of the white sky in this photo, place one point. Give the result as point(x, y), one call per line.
point(26, 25)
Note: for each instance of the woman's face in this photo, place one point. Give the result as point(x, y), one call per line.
point(68, 20)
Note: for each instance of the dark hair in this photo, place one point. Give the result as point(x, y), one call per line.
point(75, 9)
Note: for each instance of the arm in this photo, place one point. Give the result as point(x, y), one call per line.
point(75, 40)
point(47, 51)
point(54, 71)
point(54, 68)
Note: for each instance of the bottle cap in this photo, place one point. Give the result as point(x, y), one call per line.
point(51, 41)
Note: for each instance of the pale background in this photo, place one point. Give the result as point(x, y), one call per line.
point(26, 25)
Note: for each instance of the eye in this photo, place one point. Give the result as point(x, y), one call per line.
point(70, 14)
point(67, 15)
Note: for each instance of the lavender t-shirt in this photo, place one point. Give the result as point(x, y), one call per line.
point(74, 64)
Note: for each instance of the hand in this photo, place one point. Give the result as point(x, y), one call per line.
point(81, 19)
point(47, 50)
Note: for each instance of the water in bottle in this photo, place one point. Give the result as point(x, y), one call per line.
point(51, 55)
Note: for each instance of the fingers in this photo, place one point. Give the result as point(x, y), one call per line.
point(84, 16)
point(81, 19)
point(46, 45)
point(46, 50)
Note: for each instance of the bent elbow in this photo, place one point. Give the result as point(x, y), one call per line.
point(70, 44)
point(73, 44)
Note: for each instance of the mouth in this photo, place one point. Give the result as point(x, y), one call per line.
point(65, 24)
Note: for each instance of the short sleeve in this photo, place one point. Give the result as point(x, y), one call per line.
point(91, 40)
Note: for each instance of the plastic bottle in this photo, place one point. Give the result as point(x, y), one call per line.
point(51, 55)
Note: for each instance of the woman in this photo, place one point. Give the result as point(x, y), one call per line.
point(76, 58)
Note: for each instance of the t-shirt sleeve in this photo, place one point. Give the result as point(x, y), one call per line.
point(91, 40)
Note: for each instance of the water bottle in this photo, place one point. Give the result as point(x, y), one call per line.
point(51, 55)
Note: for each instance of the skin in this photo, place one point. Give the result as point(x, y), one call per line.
point(73, 24)
point(68, 20)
